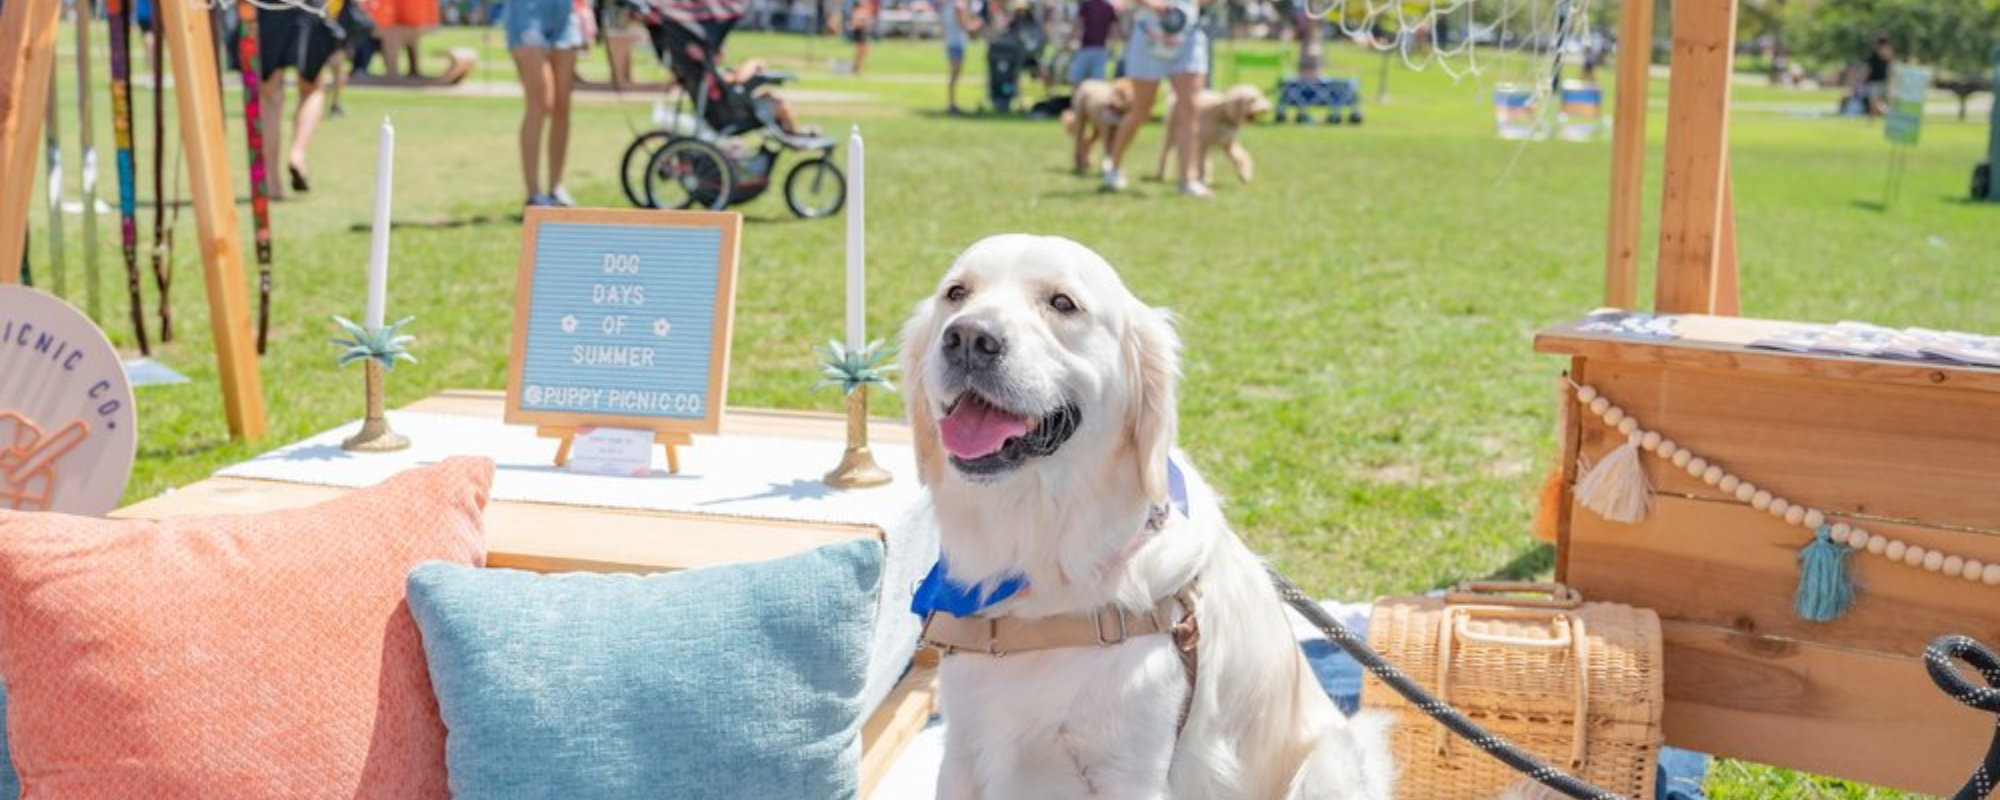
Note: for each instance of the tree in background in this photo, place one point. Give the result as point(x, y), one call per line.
point(1955, 37)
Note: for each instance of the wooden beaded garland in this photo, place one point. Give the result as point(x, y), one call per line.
point(1812, 519)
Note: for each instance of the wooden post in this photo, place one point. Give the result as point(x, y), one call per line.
point(191, 46)
point(27, 60)
point(1692, 233)
point(1628, 153)
point(1728, 293)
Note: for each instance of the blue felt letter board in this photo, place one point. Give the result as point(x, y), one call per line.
point(621, 321)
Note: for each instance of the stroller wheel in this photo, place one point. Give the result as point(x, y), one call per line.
point(632, 169)
point(689, 173)
point(816, 188)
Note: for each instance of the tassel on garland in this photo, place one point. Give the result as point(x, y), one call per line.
point(1825, 589)
point(1616, 488)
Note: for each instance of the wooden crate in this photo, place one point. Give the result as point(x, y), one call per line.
point(1907, 450)
point(551, 538)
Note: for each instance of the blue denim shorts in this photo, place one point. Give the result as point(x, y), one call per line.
point(549, 24)
point(1088, 64)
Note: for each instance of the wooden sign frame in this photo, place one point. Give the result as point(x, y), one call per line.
point(667, 431)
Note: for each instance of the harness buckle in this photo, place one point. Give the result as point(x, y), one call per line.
point(1102, 640)
point(993, 638)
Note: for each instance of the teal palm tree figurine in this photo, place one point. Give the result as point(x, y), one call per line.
point(378, 350)
point(854, 371)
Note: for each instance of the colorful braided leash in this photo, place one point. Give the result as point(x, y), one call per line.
point(253, 124)
point(119, 15)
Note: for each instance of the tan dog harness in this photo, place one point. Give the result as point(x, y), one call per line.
point(1107, 626)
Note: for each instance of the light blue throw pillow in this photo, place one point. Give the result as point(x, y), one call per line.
point(739, 681)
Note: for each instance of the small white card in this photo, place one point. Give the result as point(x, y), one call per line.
point(612, 451)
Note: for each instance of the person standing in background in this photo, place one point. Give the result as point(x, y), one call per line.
point(959, 22)
point(861, 26)
point(1090, 40)
point(545, 37)
point(1168, 43)
point(400, 24)
point(1880, 60)
point(291, 37)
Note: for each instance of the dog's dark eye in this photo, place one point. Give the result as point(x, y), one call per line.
point(956, 293)
point(1062, 303)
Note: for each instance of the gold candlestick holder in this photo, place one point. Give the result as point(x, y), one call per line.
point(375, 435)
point(857, 469)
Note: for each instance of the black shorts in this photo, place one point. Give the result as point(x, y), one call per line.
point(859, 35)
point(296, 38)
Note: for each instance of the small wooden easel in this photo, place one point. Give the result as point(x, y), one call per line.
point(668, 439)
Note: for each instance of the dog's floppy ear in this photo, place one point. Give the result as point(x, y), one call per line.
point(915, 355)
point(1153, 365)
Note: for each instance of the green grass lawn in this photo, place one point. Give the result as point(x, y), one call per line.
point(1360, 382)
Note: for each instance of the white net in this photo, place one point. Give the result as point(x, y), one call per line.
point(1527, 43)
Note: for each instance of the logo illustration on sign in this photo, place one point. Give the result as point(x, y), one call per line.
point(67, 428)
point(621, 320)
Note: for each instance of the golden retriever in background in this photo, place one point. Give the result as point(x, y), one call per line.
point(1041, 397)
point(1094, 112)
point(1219, 118)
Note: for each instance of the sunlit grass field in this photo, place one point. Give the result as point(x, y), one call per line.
point(1357, 322)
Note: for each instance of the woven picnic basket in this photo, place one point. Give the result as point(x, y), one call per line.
point(1577, 684)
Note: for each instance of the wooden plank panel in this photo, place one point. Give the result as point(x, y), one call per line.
point(1716, 342)
point(1733, 567)
point(191, 48)
point(1850, 447)
point(1628, 154)
point(902, 715)
point(1697, 141)
point(27, 59)
point(1820, 709)
point(547, 538)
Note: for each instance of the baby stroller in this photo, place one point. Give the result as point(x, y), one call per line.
point(709, 159)
point(1016, 51)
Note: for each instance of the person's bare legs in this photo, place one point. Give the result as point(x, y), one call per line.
point(271, 117)
point(533, 65)
point(389, 47)
point(562, 78)
point(1187, 90)
point(951, 85)
point(1136, 114)
point(312, 108)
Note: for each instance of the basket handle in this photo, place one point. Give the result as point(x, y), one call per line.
point(1452, 626)
point(1510, 593)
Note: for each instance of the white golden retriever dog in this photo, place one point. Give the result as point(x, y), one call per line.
point(1041, 395)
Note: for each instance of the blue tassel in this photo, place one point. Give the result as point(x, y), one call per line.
point(1825, 590)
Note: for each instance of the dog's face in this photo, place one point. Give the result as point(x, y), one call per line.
point(1032, 355)
point(1245, 103)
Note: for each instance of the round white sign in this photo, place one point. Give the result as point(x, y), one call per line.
point(68, 430)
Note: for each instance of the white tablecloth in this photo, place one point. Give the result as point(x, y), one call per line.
point(755, 477)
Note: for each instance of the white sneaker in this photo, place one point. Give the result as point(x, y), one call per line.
point(1196, 189)
point(562, 198)
point(1114, 180)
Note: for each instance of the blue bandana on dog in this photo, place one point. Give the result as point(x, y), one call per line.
point(941, 592)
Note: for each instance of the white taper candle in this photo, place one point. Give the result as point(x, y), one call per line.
point(378, 245)
point(857, 247)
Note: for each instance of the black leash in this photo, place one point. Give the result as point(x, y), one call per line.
point(1938, 659)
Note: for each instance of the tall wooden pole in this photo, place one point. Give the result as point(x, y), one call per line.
point(1628, 153)
point(27, 61)
point(1693, 234)
point(191, 45)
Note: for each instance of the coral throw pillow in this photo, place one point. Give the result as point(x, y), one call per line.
point(250, 657)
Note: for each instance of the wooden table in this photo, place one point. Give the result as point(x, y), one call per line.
point(552, 538)
point(1907, 449)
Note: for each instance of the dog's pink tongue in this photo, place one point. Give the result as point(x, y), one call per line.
point(976, 430)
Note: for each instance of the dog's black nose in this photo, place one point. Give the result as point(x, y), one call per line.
point(973, 343)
